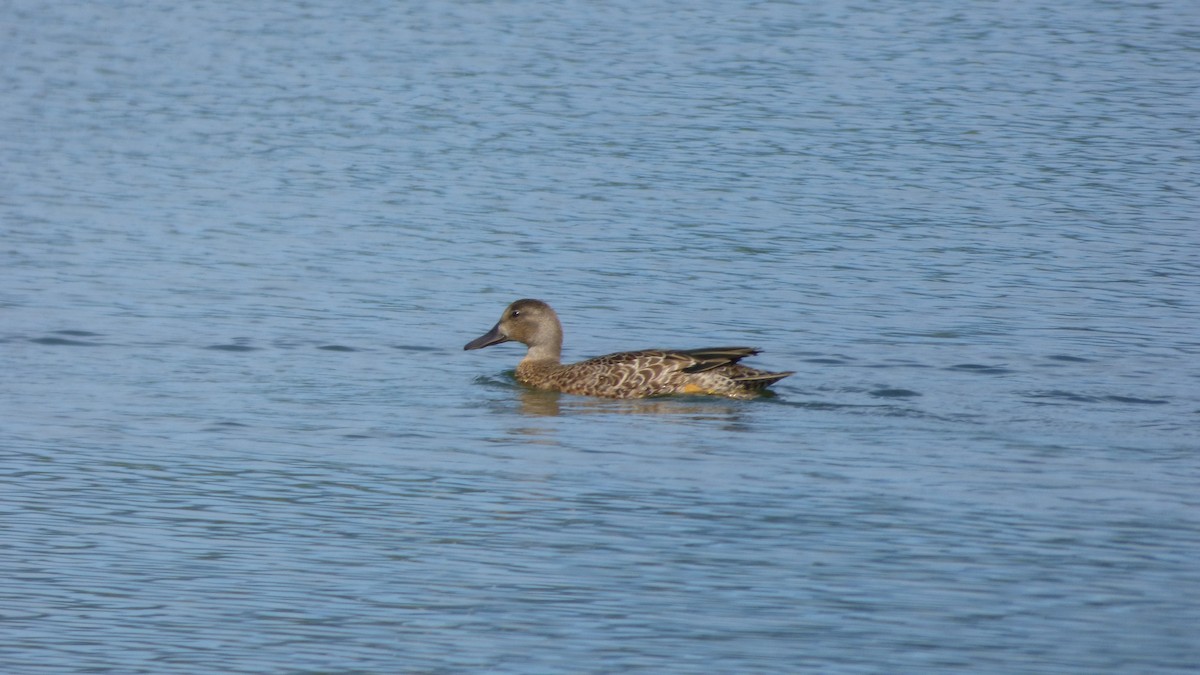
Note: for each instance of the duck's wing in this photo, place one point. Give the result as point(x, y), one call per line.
point(683, 360)
point(654, 372)
point(710, 358)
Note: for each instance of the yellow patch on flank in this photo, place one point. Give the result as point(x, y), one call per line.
point(690, 388)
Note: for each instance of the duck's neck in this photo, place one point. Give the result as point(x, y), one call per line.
point(545, 345)
point(549, 351)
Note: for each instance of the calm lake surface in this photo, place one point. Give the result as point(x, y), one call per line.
point(243, 244)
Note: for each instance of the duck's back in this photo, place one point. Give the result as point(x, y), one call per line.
point(653, 372)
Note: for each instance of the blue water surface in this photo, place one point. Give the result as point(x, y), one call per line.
point(242, 245)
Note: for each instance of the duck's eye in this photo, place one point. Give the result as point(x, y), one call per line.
point(515, 313)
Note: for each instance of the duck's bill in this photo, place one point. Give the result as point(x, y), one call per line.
point(492, 337)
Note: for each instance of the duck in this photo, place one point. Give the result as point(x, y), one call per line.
point(713, 371)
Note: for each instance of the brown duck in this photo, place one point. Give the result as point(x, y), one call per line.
point(651, 372)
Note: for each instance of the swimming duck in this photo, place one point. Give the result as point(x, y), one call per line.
point(650, 372)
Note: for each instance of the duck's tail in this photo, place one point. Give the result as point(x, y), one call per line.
point(758, 379)
point(726, 359)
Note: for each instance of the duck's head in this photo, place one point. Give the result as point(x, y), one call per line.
point(531, 322)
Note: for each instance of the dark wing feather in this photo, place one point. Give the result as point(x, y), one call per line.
point(715, 357)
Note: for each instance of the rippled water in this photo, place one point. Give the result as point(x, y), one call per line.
point(243, 245)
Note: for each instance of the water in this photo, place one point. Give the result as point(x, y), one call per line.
point(243, 246)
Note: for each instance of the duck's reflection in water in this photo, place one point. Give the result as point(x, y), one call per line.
point(537, 403)
point(533, 404)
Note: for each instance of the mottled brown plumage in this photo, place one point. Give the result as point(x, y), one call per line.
point(650, 372)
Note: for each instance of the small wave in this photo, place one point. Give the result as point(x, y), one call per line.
point(1086, 398)
point(63, 342)
point(980, 368)
point(232, 348)
point(894, 393)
